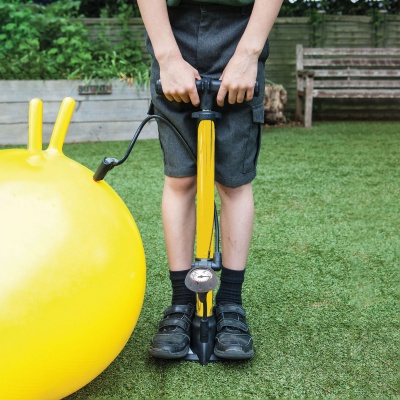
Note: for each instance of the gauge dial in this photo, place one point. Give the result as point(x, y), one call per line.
point(201, 279)
point(201, 275)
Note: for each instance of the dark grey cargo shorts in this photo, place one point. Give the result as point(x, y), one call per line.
point(207, 35)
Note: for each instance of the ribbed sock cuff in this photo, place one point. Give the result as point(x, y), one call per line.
point(230, 290)
point(180, 293)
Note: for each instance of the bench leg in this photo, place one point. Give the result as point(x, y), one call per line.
point(308, 101)
point(299, 108)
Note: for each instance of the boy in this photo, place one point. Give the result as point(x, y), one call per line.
point(226, 40)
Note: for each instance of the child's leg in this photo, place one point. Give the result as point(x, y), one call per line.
point(233, 339)
point(179, 220)
point(237, 216)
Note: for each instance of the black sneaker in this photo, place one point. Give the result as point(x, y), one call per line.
point(233, 340)
point(173, 338)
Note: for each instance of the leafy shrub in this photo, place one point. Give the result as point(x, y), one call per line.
point(51, 42)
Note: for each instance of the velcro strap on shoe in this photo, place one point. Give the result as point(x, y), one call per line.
point(168, 322)
point(232, 323)
point(177, 308)
point(230, 308)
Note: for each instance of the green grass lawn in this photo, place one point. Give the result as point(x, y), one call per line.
point(322, 284)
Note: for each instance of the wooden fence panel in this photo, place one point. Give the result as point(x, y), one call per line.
point(111, 29)
point(390, 31)
point(345, 31)
point(281, 65)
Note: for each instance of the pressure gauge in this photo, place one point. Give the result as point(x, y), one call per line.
point(201, 275)
point(201, 279)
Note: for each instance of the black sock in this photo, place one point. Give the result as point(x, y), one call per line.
point(180, 293)
point(230, 289)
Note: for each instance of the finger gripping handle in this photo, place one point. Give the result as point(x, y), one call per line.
point(205, 85)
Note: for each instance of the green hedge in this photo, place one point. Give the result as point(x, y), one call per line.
point(51, 42)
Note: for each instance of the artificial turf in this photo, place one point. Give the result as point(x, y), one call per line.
point(322, 284)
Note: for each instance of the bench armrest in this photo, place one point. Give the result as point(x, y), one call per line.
point(305, 72)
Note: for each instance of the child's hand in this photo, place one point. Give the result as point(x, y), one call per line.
point(238, 79)
point(178, 80)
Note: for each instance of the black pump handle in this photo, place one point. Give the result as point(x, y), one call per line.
point(205, 85)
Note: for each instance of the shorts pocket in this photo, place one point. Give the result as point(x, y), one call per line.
point(254, 140)
point(258, 113)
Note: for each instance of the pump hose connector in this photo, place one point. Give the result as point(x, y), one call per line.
point(106, 165)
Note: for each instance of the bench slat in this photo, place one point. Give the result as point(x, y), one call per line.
point(357, 93)
point(358, 73)
point(357, 62)
point(388, 73)
point(307, 51)
point(356, 83)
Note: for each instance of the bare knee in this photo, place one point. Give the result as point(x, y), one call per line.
point(181, 186)
point(233, 192)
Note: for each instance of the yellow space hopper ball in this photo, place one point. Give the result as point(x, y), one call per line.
point(72, 268)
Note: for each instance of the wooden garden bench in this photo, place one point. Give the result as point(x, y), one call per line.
point(358, 73)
